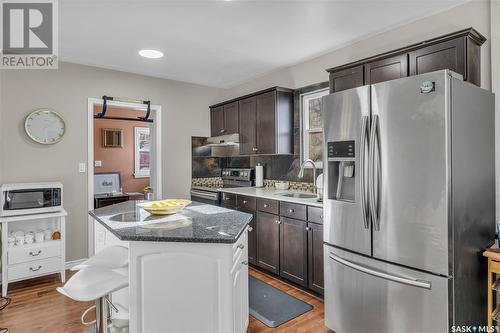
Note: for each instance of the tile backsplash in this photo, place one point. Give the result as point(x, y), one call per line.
point(276, 167)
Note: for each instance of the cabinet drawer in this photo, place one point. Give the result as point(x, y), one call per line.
point(295, 211)
point(315, 214)
point(246, 203)
point(34, 268)
point(33, 252)
point(268, 206)
point(228, 200)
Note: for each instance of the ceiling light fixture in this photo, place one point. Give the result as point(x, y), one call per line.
point(152, 54)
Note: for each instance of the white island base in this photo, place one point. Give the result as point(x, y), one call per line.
point(188, 287)
point(184, 287)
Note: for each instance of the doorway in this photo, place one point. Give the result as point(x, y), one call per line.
point(124, 156)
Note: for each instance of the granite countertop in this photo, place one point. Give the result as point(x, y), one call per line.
point(272, 193)
point(197, 223)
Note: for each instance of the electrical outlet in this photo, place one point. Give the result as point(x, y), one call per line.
point(97, 164)
point(81, 167)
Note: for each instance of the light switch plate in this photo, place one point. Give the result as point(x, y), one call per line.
point(81, 167)
point(97, 163)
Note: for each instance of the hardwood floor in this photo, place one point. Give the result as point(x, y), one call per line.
point(37, 307)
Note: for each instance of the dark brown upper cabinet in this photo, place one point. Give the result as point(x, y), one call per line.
point(459, 52)
point(217, 121)
point(231, 122)
point(248, 125)
point(224, 119)
point(386, 69)
point(346, 79)
point(264, 122)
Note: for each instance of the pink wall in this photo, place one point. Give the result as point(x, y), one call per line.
point(119, 159)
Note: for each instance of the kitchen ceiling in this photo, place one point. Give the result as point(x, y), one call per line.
point(222, 43)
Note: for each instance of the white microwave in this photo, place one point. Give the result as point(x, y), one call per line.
point(30, 198)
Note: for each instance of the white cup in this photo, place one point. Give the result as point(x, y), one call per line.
point(11, 241)
point(47, 234)
point(19, 233)
point(39, 236)
point(19, 240)
point(29, 238)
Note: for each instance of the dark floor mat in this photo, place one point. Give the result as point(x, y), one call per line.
point(272, 306)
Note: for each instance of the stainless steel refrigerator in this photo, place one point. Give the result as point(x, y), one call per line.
point(409, 203)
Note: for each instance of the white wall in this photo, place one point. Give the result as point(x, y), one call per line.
point(184, 113)
point(495, 87)
point(474, 14)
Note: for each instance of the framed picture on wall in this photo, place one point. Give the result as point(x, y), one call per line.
point(142, 148)
point(112, 138)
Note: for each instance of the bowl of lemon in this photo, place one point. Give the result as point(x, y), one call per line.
point(164, 207)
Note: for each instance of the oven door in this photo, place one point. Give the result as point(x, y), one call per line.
point(207, 197)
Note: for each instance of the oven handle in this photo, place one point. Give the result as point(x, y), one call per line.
point(204, 195)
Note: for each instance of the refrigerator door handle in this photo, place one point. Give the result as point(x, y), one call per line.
point(362, 167)
point(408, 281)
point(371, 173)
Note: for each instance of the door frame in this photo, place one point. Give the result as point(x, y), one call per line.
point(156, 160)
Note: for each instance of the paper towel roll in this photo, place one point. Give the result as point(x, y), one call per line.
point(259, 175)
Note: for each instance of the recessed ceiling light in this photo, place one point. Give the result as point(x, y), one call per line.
point(153, 54)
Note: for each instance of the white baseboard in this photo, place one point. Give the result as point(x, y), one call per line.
point(73, 263)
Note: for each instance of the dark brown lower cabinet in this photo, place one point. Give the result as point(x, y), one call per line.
point(293, 250)
point(268, 243)
point(252, 239)
point(315, 260)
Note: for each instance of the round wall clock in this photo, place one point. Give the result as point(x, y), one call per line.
point(45, 126)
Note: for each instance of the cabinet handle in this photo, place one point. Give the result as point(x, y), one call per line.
point(35, 269)
point(321, 216)
point(241, 246)
point(250, 229)
point(222, 130)
point(255, 149)
point(308, 229)
point(35, 254)
point(244, 263)
point(245, 202)
point(266, 205)
point(277, 222)
point(291, 210)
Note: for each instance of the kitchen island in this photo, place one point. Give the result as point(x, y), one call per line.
point(187, 272)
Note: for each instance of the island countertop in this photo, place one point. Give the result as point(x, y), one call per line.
point(197, 223)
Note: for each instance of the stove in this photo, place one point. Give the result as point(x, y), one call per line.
point(231, 178)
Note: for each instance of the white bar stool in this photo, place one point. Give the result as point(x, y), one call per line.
point(95, 283)
point(113, 257)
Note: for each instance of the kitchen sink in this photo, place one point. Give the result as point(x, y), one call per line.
point(297, 195)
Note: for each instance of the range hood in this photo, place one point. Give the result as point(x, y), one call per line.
point(224, 140)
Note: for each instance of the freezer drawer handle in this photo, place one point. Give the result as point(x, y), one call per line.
point(395, 278)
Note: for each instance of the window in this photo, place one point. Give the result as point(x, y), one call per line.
point(312, 126)
point(141, 152)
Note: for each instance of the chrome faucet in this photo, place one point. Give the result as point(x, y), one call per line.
point(301, 173)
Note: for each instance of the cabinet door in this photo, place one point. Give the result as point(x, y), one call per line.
point(228, 200)
point(346, 79)
point(231, 118)
point(268, 240)
point(315, 257)
point(266, 129)
point(247, 125)
point(386, 69)
point(238, 300)
point(293, 250)
point(445, 55)
point(217, 121)
point(252, 238)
